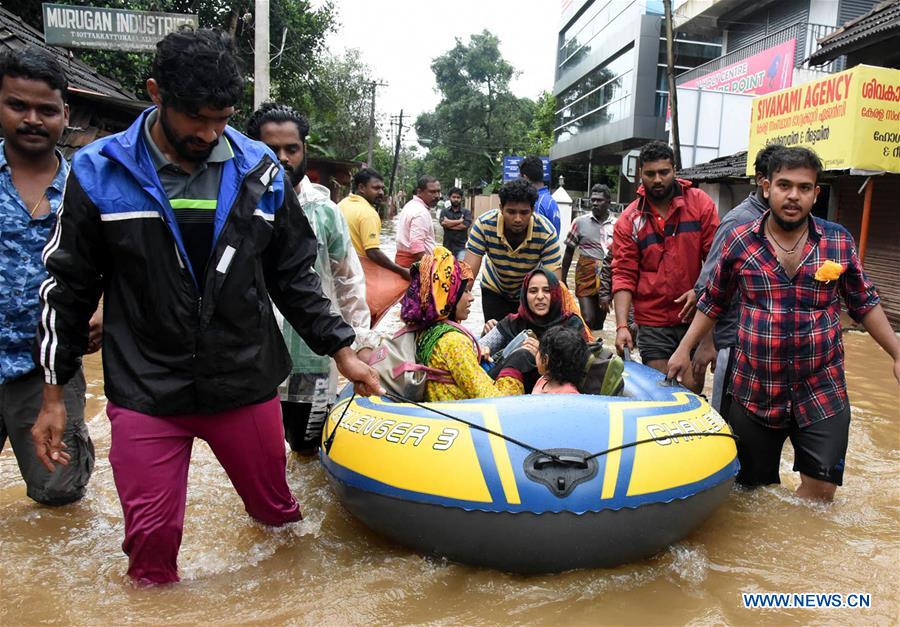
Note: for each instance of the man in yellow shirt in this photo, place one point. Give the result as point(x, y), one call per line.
point(362, 218)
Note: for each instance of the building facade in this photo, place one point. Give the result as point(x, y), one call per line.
point(610, 82)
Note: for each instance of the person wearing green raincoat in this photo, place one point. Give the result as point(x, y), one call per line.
point(309, 392)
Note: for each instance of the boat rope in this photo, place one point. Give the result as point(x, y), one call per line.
point(473, 425)
point(661, 438)
point(556, 458)
point(330, 439)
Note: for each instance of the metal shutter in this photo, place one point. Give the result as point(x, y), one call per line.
point(773, 18)
point(852, 9)
point(882, 250)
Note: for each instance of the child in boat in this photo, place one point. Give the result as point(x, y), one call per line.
point(561, 358)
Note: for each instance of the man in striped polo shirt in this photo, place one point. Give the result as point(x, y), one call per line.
point(515, 241)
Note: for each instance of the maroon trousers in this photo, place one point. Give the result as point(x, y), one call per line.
point(150, 457)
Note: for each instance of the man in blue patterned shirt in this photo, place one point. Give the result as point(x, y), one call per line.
point(33, 115)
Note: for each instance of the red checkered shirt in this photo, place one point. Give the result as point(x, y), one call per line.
point(789, 359)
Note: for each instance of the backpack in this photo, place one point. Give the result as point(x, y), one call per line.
point(602, 372)
point(394, 359)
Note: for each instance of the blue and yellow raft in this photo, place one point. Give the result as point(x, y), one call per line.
point(452, 490)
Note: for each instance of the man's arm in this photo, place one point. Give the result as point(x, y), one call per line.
point(864, 305)
point(626, 255)
point(567, 262)
point(377, 256)
point(622, 305)
point(295, 289)
point(447, 223)
point(474, 262)
point(680, 361)
point(572, 241)
point(75, 258)
point(476, 248)
point(876, 323)
point(551, 257)
point(624, 278)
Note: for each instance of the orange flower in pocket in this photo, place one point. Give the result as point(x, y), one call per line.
point(829, 271)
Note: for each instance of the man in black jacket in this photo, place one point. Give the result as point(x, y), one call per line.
point(187, 229)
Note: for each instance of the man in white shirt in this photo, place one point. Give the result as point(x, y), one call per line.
point(415, 228)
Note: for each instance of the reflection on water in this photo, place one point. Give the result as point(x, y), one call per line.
point(65, 565)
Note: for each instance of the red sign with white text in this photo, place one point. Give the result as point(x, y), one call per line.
point(764, 72)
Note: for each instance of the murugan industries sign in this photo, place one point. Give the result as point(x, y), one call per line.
point(109, 29)
point(851, 119)
point(762, 73)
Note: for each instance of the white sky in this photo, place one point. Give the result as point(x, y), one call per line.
point(399, 39)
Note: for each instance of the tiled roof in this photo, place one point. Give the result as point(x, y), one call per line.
point(719, 169)
point(878, 24)
point(16, 34)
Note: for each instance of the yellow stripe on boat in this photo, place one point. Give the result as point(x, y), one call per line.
point(430, 456)
point(649, 473)
point(662, 466)
point(616, 433)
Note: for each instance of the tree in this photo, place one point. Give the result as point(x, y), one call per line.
point(336, 100)
point(539, 138)
point(478, 119)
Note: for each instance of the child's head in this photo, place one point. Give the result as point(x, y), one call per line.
point(562, 354)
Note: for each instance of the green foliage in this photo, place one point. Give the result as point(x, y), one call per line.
point(540, 135)
point(336, 99)
point(478, 119)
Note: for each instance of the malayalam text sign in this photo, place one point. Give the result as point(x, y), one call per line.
point(109, 29)
point(851, 119)
point(762, 73)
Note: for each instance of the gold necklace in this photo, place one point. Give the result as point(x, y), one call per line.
point(37, 204)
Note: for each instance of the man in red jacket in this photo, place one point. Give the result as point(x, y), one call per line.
point(659, 243)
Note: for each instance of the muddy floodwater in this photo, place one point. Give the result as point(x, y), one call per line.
point(65, 565)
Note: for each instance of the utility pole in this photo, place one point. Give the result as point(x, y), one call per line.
point(373, 85)
point(396, 153)
point(673, 93)
point(261, 53)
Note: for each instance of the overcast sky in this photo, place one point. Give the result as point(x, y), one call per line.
point(399, 39)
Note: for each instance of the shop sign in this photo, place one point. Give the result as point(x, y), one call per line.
point(109, 29)
point(851, 119)
point(762, 73)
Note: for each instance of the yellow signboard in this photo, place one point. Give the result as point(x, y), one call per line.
point(851, 119)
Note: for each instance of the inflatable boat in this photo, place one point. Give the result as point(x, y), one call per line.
point(534, 484)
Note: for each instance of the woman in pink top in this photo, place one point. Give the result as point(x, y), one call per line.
point(561, 357)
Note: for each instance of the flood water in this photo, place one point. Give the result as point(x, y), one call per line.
point(65, 565)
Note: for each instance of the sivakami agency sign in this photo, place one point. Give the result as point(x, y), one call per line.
point(851, 119)
point(109, 29)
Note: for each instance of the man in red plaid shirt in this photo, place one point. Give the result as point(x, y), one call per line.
point(791, 270)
